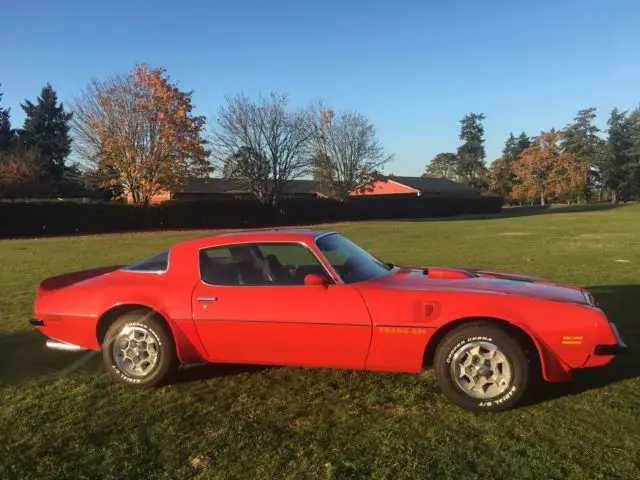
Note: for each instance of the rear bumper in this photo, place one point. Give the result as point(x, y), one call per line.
point(611, 349)
point(67, 347)
point(52, 343)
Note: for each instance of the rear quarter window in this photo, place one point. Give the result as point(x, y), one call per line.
point(156, 263)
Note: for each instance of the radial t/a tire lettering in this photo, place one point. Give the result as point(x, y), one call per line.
point(480, 367)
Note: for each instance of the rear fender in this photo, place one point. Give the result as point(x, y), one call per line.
point(188, 346)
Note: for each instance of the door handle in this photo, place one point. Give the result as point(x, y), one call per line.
point(207, 299)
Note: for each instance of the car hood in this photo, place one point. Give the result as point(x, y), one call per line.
point(490, 281)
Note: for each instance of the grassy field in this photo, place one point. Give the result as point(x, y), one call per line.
point(61, 416)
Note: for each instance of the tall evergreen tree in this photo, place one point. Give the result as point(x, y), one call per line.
point(7, 134)
point(501, 176)
point(632, 187)
point(514, 146)
point(616, 161)
point(633, 124)
point(471, 154)
point(46, 131)
point(581, 139)
point(523, 143)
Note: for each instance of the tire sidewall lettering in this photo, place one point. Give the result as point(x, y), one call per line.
point(125, 377)
point(501, 400)
point(462, 343)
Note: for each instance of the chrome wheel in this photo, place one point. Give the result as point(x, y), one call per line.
point(136, 350)
point(481, 370)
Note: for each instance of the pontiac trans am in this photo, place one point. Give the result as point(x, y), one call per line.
point(315, 299)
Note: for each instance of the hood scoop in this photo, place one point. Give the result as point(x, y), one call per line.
point(447, 273)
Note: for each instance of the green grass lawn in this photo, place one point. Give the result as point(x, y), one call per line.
point(61, 415)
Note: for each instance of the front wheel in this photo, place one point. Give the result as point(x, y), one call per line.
point(482, 368)
point(138, 350)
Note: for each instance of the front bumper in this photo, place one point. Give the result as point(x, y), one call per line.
point(613, 349)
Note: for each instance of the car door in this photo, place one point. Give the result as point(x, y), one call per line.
point(252, 306)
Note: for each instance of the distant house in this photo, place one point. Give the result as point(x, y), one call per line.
point(222, 188)
point(426, 186)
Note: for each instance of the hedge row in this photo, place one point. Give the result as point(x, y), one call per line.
point(20, 219)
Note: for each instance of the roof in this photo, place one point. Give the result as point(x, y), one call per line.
point(433, 184)
point(267, 235)
point(234, 186)
point(275, 232)
point(241, 187)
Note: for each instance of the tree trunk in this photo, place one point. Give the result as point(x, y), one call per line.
point(614, 196)
point(542, 199)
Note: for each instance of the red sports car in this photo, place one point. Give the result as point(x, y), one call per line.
point(315, 299)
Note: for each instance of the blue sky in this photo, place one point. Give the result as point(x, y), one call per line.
point(413, 67)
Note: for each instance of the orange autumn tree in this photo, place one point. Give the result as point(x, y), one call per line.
point(544, 171)
point(140, 134)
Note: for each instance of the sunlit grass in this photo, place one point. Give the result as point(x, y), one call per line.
point(64, 418)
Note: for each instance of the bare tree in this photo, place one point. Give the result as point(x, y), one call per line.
point(262, 144)
point(347, 153)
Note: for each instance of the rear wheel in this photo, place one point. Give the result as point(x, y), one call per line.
point(138, 350)
point(482, 368)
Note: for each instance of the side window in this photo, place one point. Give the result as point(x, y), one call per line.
point(259, 264)
point(289, 263)
point(157, 263)
point(216, 267)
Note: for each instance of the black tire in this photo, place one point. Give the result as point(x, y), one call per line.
point(457, 345)
point(143, 322)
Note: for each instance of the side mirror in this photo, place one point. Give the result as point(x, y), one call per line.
point(314, 279)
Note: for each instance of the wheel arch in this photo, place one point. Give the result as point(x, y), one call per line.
point(544, 361)
point(186, 351)
point(112, 314)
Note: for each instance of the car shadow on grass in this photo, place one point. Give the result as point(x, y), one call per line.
point(24, 358)
point(206, 371)
point(621, 303)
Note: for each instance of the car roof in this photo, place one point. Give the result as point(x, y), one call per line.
point(250, 236)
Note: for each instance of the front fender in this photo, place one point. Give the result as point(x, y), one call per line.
point(564, 334)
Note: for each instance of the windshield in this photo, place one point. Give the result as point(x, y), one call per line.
point(351, 262)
